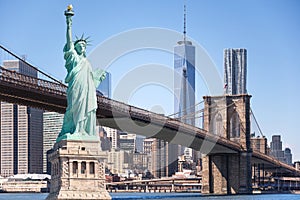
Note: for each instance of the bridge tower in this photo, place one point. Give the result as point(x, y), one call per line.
point(228, 173)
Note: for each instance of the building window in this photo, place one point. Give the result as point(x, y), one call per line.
point(83, 167)
point(75, 167)
point(92, 168)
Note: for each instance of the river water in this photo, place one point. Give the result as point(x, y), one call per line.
point(164, 196)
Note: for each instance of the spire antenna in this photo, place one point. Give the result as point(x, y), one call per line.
point(184, 21)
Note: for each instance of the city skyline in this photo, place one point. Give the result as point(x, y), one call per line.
point(269, 35)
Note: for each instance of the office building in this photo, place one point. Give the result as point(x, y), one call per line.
point(52, 123)
point(184, 81)
point(140, 162)
point(21, 137)
point(288, 156)
point(157, 150)
point(105, 86)
point(235, 71)
point(139, 143)
point(127, 141)
point(115, 161)
point(114, 137)
point(276, 148)
point(184, 91)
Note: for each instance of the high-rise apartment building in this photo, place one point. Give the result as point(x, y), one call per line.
point(21, 132)
point(235, 71)
point(52, 123)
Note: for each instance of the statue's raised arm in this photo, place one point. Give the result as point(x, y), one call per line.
point(69, 13)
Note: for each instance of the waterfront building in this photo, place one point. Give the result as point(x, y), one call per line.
point(105, 86)
point(21, 136)
point(235, 71)
point(52, 123)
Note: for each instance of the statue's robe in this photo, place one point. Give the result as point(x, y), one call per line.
point(81, 94)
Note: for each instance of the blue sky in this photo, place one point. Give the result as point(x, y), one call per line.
point(268, 29)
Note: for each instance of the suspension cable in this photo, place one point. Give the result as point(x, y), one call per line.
point(259, 129)
point(33, 67)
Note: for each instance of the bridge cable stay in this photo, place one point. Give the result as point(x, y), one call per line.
point(217, 110)
point(193, 106)
point(30, 65)
point(259, 129)
point(190, 115)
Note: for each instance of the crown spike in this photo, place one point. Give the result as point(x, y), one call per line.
point(86, 40)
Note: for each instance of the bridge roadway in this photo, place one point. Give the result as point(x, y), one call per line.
point(25, 90)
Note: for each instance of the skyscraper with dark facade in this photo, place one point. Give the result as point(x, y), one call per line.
point(276, 148)
point(235, 71)
point(288, 156)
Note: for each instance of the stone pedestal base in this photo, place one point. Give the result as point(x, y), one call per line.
point(77, 171)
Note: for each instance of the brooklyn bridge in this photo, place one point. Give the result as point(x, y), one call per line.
point(229, 163)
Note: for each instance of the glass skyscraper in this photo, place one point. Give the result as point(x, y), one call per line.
point(105, 86)
point(184, 81)
point(184, 95)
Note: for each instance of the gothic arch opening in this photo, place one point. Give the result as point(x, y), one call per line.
point(218, 125)
point(235, 125)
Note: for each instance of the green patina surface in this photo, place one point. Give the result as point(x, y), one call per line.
point(80, 117)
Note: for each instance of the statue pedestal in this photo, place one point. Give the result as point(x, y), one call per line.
point(77, 171)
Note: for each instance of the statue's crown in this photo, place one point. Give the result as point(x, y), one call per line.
point(82, 39)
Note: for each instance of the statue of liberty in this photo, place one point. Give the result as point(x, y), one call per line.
point(80, 117)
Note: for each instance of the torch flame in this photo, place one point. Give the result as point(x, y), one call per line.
point(70, 7)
